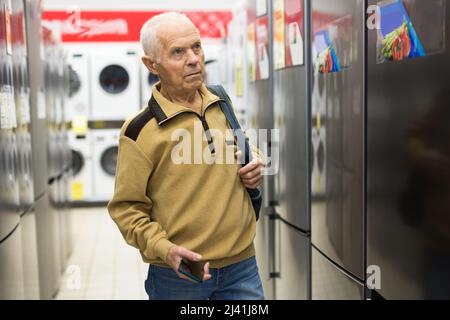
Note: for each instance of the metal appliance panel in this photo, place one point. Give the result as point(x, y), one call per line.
point(22, 101)
point(292, 121)
point(9, 188)
point(260, 116)
point(264, 254)
point(49, 275)
point(329, 282)
point(337, 117)
point(30, 255)
point(408, 136)
point(294, 255)
point(37, 97)
point(11, 272)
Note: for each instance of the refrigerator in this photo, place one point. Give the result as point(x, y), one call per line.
point(24, 159)
point(11, 265)
point(45, 217)
point(337, 149)
point(260, 117)
point(291, 89)
point(408, 150)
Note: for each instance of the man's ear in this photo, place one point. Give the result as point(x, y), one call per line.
point(150, 64)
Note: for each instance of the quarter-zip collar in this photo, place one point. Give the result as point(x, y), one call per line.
point(164, 109)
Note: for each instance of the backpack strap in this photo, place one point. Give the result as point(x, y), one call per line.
point(227, 109)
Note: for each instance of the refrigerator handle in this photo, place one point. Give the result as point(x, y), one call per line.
point(273, 244)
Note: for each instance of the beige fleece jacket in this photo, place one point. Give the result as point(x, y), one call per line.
point(157, 202)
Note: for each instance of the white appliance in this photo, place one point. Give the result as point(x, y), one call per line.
point(105, 149)
point(147, 80)
point(78, 102)
point(318, 176)
point(115, 85)
point(81, 189)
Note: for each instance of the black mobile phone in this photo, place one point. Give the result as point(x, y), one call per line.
point(192, 269)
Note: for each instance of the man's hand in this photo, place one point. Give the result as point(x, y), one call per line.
point(177, 253)
point(251, 174)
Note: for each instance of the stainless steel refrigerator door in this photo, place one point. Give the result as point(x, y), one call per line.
point(294, 264)
point(260, 115)
point(62, 214)
point(264, 243)
point(11, 272)
point(329, 282)
point(22, 101)
point(337, 140)
point(49, 275)
point(291, 118)
point(37, 96)
point(57, 214)
point(30, 255)
point(292, 121)
point(408, 143)
point(9, 198)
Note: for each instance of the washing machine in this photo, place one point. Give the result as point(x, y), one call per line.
point(115, 86)
point(81, 189)
point(105, 143)
point(77, 102)
point(147, 80)
point(318, 161)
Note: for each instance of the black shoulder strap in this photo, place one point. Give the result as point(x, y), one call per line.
point(227, 109)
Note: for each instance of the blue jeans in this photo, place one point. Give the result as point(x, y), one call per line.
point(239, 281)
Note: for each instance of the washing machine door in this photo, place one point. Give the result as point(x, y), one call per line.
point(114, 79)
point(77, 162)
point(74, 82)
point(108, 160)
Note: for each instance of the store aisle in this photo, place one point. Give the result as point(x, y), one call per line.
point(102, 265)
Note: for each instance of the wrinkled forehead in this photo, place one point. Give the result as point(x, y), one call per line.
point(177, 31)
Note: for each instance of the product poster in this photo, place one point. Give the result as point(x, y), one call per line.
point(278, 34)
point(294, 32)
point(326, 57)
point(397, 38)
point(251, 52)
point(262, 48)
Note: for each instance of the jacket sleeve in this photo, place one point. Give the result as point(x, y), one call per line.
point(130, 206)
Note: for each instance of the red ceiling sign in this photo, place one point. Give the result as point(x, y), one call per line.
point(116, 26)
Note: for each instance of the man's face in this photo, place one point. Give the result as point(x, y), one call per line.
point(182, 61)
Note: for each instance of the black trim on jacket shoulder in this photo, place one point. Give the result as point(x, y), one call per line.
point(136, 125)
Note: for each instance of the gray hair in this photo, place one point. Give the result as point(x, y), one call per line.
point(150, 41)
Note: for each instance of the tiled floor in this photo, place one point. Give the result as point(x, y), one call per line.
point(102, 265)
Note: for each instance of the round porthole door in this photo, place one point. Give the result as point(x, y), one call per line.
point(77, 162)
point(114, 79)
point(74, 82)
point(108, 160)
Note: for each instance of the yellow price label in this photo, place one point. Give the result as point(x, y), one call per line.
point(77, 190)
point(80, 125)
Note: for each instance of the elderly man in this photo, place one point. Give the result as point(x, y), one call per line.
point(197, 212)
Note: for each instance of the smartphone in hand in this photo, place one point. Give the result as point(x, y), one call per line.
point(192, 269)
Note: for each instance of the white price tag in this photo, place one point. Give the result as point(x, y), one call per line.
point(25, 108)
point(4, 110)
point(12, 110)
point(261, 7)
point(41, 112)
